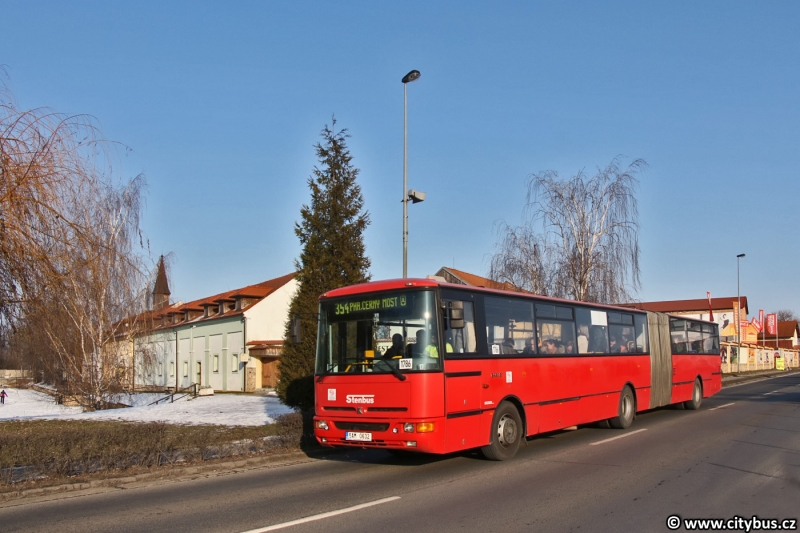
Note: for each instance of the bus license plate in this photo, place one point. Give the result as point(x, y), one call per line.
point(358, 435)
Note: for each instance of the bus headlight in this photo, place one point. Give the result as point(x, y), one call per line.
point(408, 427)
point(424, 427)
point(321, 424)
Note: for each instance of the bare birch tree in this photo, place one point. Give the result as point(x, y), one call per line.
point(579, 238)
point(71, 252)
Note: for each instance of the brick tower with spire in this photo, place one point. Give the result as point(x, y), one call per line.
point(161, 288)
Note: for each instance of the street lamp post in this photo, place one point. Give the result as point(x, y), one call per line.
point(408, 78)
point(739, 317)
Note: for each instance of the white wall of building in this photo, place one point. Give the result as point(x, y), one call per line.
point(184, 362)
point(155, 360)
point(266, 320)
point(214, 347)
point(233, 361)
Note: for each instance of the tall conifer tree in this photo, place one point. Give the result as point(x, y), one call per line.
point(331, 233)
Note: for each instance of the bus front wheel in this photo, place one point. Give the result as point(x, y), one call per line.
point(625, 411)
point(506, 433)
point(697, 397)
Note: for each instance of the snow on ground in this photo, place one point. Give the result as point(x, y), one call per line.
point(224, 409)
point(25, 403)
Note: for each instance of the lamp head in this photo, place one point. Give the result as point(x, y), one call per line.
point(740, 255)
point(416, 196)
point(411, 76)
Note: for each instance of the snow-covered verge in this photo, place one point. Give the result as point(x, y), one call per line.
point(222, 409)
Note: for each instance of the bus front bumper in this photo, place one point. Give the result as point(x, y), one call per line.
point(413, 435)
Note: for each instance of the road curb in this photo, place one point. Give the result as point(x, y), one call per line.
point(737, 379)
point(170, 474)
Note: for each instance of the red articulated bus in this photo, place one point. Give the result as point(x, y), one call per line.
point(423, 365)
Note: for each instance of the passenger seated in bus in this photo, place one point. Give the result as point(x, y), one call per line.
point(396, 349)
point(597, 340)
point(415, 349)
point(508, 346)
point(624, 344)
point(528, 349)
point(616, 346)
point(425, 346)
point(569, 347)
point(583, 339)
point(449, 342)
point(550, 347)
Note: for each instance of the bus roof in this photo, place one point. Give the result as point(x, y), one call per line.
point(404, 283)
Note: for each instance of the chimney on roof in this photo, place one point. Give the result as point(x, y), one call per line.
point(161, 288)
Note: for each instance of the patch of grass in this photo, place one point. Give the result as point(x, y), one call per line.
point(61, 448)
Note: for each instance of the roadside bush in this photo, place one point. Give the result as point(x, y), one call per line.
point(59, 448)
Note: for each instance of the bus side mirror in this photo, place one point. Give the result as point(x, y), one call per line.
point(295, 330)
point(456, 311)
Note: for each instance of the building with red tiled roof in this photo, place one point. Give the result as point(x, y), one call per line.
point(788, 335)
point(723, 309)
point(217, 341)
point(451, 275)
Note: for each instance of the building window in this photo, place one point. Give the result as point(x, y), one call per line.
point(186, 369)
point(160, 369)
point(235, 362)
point(216, 362)
point(172, 368)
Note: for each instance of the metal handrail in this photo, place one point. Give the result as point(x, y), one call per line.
point(191, 389)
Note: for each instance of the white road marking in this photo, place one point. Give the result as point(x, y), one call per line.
point(721, 406)
point(768, 393)
point(617, 437)
point(323, 515)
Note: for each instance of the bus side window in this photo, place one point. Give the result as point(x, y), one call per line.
point(461, 340)
point(677, 335)
point(558, 336)
point(710, 339)
point(582, 321)
point(598, 339)
point(640, 322)
point(509, 322)
point(591, 333)
point(555, 329)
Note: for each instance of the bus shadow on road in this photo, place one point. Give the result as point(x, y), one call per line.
point(385, 456)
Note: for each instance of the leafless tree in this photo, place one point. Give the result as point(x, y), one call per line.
point(71, 251)
point(785, 315)
point(579, 236)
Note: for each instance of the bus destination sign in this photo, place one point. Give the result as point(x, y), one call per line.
point(375, 304)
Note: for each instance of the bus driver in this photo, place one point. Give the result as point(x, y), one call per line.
point(396, 349)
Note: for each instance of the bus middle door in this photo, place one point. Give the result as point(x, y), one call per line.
point(463, 377)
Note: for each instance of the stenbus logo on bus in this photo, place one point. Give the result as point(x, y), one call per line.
point(360, 398)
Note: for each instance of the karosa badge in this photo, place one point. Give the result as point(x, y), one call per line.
point(360, 398)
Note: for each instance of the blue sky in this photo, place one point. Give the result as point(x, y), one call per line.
point(221, 104)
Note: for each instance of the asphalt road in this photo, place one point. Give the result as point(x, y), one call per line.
point(739, 455)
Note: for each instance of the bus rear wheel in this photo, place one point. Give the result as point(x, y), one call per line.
point(625, 411)
point(506, 433)
point(697, 397)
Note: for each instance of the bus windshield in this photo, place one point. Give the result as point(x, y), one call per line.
point(389, 332)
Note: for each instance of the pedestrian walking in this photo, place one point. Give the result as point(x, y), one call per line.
point(3, 397)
